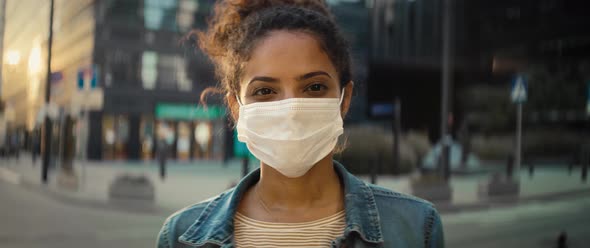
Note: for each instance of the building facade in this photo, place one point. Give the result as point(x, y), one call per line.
point(152, 83)
point(491, 42)
point(122, 80)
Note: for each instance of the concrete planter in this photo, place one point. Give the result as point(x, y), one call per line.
point(129, 187)
point(498, 186)
point(432, 189)
point(68, 181)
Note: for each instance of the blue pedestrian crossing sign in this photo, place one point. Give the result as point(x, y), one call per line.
point(519, 89)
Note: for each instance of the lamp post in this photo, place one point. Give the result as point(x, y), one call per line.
point(47, 128)
point(446, 88)
point(2, 22)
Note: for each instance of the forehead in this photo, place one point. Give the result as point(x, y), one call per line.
point(287, 53)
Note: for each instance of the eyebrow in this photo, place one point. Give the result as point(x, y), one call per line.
point(312, 74)
point(264, 79)
point(299, 78)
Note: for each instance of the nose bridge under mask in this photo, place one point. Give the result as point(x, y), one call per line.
point(291, 135)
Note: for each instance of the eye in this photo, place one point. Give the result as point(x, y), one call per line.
point(262, 92)
point(317, 87)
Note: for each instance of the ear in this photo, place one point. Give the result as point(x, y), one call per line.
point(347, 98)
point(233, 106)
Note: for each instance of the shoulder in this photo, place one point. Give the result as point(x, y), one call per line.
point(180, 221)
point(409, 215)
point(387, 195)
point(388, 200)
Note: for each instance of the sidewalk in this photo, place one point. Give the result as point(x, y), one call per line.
point(185, 183)
point(190, 182)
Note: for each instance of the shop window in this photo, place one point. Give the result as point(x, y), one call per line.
point(108, 137)
point(203, 137)
point(165, 136)
point(122, 137)
point(147, 138)
point(183, 142)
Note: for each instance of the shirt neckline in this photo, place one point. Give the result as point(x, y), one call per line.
point(318, 222)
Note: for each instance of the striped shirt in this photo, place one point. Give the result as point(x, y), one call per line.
point(318, 233)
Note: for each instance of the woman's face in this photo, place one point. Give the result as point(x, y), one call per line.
point(288, 64)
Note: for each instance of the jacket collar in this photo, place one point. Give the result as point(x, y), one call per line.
point(215, 224)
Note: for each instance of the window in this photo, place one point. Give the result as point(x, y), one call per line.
point(172, 73)
point(185, 17)
point(124, 11)
point(184, 83)
point(160, 14)
point(166, 72)
point(149, 69)
point(122, 68)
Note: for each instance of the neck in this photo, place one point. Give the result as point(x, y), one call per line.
point(318, 188)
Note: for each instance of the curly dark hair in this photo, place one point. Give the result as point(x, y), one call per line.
point(237, 25)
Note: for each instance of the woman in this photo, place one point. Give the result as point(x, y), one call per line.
point(285, 69)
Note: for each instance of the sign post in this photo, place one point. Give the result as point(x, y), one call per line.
point(588, 100)
point(88, 97)
point(519, 97)
point(47, 126)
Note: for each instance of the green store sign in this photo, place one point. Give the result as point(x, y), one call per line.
point(188, 112)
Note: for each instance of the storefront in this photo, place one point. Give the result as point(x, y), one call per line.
point(190, 131)
point(193, 132)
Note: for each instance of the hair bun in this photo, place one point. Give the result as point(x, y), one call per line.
point(237, 25)
point(229, 14)
point(246, 7)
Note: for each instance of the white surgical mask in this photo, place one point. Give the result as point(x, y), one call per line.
point(291, 135)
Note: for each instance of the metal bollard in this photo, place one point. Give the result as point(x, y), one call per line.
point(585, 169)
point(562, 240)
point(585, 161)
point(373, 172)
point(510, 167)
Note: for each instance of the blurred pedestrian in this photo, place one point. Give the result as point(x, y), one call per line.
point(465, 139)
point(35, 146)
point(162, 156)
point(14, 144)
point(285, 71)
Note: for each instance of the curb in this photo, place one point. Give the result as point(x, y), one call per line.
point(133, 206)
point(10, 176)
point(139, 206)
point(507, 201)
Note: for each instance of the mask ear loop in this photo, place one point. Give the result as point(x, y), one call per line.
point(341, 96)
point(239, 102)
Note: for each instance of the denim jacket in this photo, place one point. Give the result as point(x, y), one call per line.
point(375, 217)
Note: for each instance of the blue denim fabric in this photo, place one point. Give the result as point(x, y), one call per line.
point(375, 217)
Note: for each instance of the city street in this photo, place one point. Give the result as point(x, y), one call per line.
point(531, 225)
point(116, 114)
point(31, 219)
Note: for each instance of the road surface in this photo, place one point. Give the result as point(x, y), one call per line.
point(29, 218)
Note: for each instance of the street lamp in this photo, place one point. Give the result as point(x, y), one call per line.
point(35, 63)
point(12, 57)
